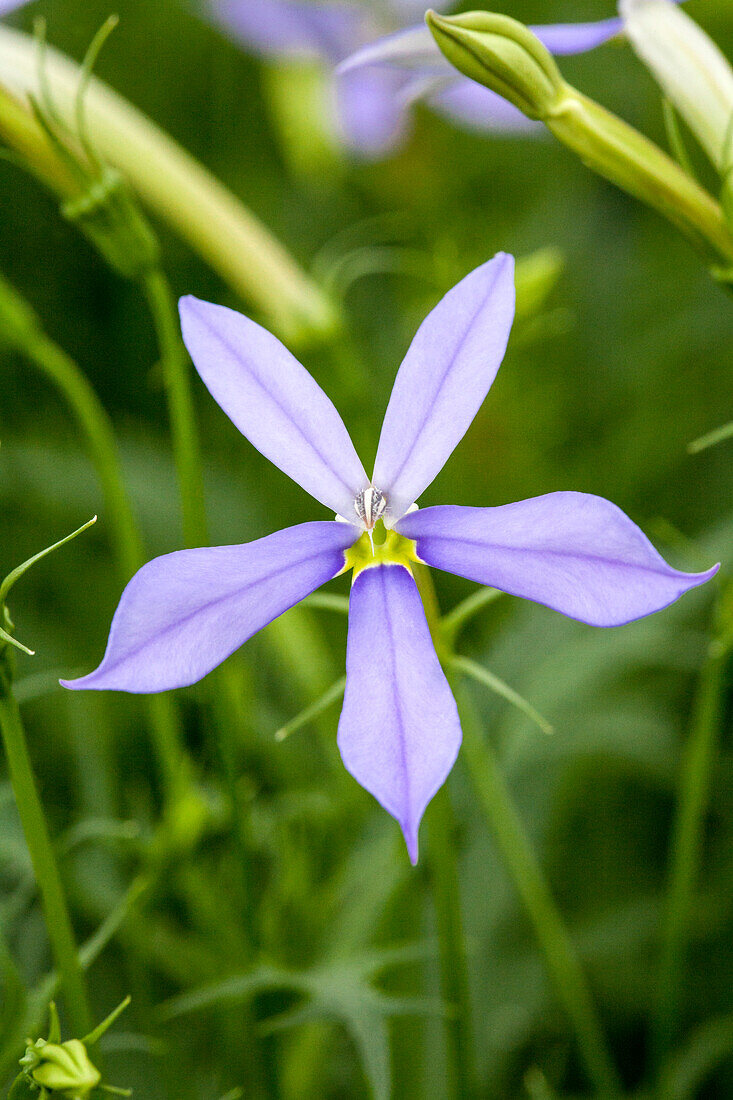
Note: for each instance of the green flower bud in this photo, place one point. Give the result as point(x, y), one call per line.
point(501, 54)
point(65, 1068)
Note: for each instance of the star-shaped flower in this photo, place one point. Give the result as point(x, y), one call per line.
point(399, 731)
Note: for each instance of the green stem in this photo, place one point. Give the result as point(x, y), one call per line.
point(560, 956)
point(20, 326)
point(58, 921)
point(687, 835)
point(184, 434)
point(454, 982)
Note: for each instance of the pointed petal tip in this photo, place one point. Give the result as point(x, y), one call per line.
point(410, 834)
point(706, 575)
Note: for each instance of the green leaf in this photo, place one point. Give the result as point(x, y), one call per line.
point(495, 684)
point(334, 693)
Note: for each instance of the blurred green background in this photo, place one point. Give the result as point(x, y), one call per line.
point(627, 361)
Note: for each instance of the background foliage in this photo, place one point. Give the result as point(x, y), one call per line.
point(627, 362)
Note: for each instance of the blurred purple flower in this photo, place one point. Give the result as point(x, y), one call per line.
point(412, 56)
point(6, 6)
point(399, 732)
point(370, 101)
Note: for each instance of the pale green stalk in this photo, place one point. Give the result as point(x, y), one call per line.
point(171, 182)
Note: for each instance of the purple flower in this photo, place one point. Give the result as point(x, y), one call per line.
point(370, 100)
point(399, 731)
point(6, 6)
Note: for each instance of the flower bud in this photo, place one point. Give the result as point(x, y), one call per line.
point(65, 1068)
point(501, 54)
point(690, 69)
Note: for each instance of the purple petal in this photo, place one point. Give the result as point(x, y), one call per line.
point(479, 108)
point(576, 553)
point(443, 380)
point(568, 38)
point(413, 48)
point(293, 27)
point(399, 732)
point(6, 6)
point(182, 614)
point(415, 9)
point(274, 402)
point(370, 111)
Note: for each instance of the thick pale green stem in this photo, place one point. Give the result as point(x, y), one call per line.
point(35, 830)
point(172, 183)
point(687, 837)
point(617, 151)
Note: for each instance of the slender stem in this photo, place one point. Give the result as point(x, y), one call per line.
point(20, 325)
point(184, 434)
point(560, 956)
point(454, 982)
point(58, 921)
point(687, 836)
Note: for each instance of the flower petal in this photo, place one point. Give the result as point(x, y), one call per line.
point(274, 402)
point(412, 48)
point(371, 115)
point(183, 613)
point(399, 732)
point(413, 9)
point(6, 6)
point(568, 38)
point(276, 28)
point(574, 552)
point(443, 381)
point(479, 108)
